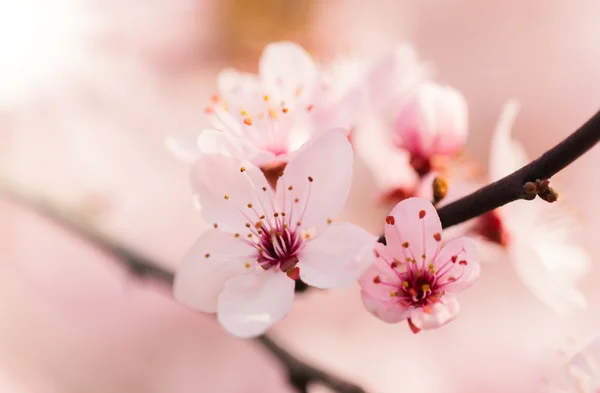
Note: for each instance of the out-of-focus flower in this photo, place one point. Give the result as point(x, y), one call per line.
point(263, 240)
point(266, 117)
point(413, 277)
point(434, 123)
point(345, 93)
point(421, 118)
point(582, 373)
point(393, 78)
point(540, 238)
point(390, 166)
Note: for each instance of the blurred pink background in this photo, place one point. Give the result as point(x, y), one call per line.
point(89, 91)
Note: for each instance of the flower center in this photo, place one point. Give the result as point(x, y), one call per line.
point(419, 288)
point(279, 248)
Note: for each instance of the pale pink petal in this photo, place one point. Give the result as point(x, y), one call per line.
point(240, 89)
point(438, 314)
point(317, 179)
point(286, 68)
point(506, 154)
point(380, 271)
point(252, 303)
point(231, 192)
point(390, 166)
point(337, 256)
point(413, 229)
point(219, 142)
point(388, 311)
point(459, 262)
point(183, 147)
point(552, 286)
point(215, 258)
point(394, 77)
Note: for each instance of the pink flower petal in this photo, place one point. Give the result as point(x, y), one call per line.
point(437, 315)
point(380, 270)
point(411, 229)
point(230, 192)
point(285, 69)
point(252, 303)
point(215, 258)
point(337, 256)
point(387, 311)
point(434, 121)
point(459, 260)
point(317, 179)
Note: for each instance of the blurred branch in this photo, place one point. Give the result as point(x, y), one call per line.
point(512, 187)
point(300, 374)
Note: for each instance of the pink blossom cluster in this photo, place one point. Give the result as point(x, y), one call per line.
point(275, 170)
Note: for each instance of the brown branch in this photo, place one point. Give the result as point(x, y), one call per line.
point(300, 374)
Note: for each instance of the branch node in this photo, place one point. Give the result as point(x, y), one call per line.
point(531, 191)
point(546, 192)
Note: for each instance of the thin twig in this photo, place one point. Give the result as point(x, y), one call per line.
point(300, 374)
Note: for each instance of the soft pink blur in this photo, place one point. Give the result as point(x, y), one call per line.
point(85, 122)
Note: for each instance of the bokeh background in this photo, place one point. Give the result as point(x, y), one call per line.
point(90, 88)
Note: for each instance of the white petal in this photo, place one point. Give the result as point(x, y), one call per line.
point(231, 197)
point(506, 155)
point(337, 256)
point(252, 303)
point(224, 142)
point(285, 67)
point(552, 286)
point(182, 147)
point(327, 160)
point(200, 279)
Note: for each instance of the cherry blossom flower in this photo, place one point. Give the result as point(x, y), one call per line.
point(540, 239)
point(266, 117)
point(411, 125)
point(434, 123)
point(414, 278)
point(264, 239)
